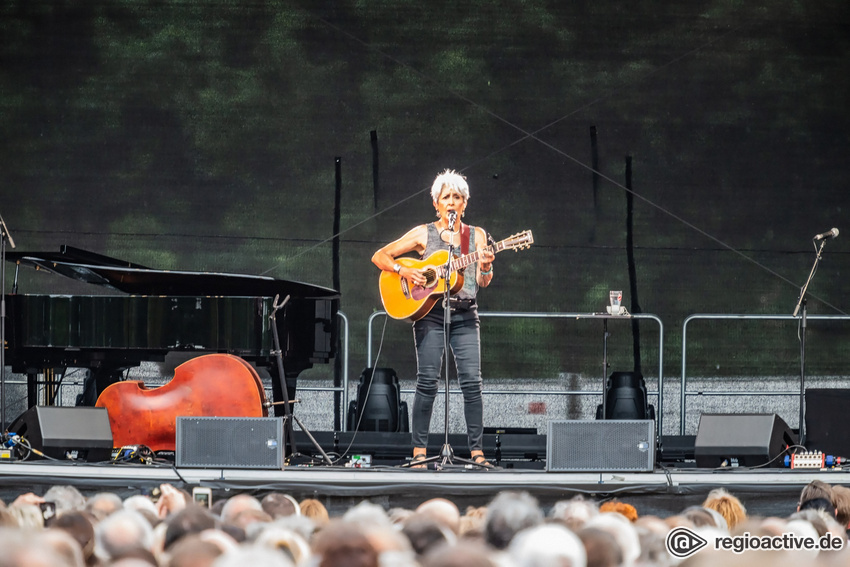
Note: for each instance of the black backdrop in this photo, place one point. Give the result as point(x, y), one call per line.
point(202, 135)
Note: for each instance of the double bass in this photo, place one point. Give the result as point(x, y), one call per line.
point(213, 385)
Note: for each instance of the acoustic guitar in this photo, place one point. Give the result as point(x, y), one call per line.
point(404, 300)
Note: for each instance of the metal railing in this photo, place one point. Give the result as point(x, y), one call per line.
point(344, 387)
point(702, 316)
point(558, 315)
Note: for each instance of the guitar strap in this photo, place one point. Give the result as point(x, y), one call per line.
point(464, 239)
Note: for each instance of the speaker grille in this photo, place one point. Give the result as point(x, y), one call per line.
point(230, 442)
point(597, 446)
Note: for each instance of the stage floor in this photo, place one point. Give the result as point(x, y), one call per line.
point(663, 492)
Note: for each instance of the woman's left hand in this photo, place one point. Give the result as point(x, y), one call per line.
point(486, 260)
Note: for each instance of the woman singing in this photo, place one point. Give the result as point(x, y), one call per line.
point(450, 195)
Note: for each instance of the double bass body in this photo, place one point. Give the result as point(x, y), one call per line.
point(213, 385)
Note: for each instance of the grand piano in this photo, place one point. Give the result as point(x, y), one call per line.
point(157, 312)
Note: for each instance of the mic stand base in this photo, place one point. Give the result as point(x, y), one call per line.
point(447, 459)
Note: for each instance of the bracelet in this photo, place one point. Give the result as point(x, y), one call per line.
point(488, 272)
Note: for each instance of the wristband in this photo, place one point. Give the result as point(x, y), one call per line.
point(488, 272)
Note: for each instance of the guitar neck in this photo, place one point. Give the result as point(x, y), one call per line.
point(463, 261)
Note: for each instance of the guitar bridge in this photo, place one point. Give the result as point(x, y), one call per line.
point(405, 288)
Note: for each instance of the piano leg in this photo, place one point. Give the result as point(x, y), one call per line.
point(98, 379)
point(32, 388)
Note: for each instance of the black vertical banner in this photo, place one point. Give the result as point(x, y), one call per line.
point(373, 135)
point(630, 254)
point(337, 285)
point(594, 165)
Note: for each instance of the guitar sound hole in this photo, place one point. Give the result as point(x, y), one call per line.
point(430, 278)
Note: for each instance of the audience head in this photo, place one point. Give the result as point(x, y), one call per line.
point(315, 510)
point(425, 534)
point(821, 504)
point(103, 504)
point(121, 532)
point(192, 519)
point(726, 505)
point(815, 490)
point(254, 556)
point(509, 513)
point(441, 510)
point(700, 517)
point(343, 544)
point(26, 548)
point(601, 547)
point(80, 527)
point(574, 513)
point(547, 545)
point(237, 504)
point(65, 497)
point(64, 545)
point(27, 516)
point(280, 505)
point(626, 510)
point(287, 541)
point(623, 531)
point(193, 551)
point(463, 554)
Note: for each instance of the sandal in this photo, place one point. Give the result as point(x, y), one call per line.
point(480, 459)
point(418, 456)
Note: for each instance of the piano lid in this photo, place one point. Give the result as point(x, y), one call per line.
point(97, 269)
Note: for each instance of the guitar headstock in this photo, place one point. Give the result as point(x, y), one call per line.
point(518, 241)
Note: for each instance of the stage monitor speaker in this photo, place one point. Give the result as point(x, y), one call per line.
point(601, 446)
point(66, 433)
point(230, 442)
point(825, 413)
point(745, 439)
point(378, 406)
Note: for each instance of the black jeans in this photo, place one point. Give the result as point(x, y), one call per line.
point(465, 343)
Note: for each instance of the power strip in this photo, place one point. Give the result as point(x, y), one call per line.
point(812, 460)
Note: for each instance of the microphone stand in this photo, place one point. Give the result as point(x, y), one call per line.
point(288, 416)
point(801, 305)
point(4, 234)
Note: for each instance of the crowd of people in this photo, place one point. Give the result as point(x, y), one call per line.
point(62, 528)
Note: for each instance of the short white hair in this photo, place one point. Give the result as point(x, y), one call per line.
point(449, 178)
point(547, 545)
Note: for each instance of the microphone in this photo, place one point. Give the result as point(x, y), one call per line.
point(832, 233)
point(453, 220)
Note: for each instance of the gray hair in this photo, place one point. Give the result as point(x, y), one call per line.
point(253, 555)
point(509, 513)
point(449, 178)
point(548, 545)
point(66, 497)
point(123, 530)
